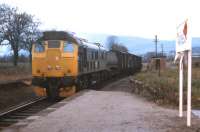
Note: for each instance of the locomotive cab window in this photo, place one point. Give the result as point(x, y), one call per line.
point(39, 48)
point(68, 47)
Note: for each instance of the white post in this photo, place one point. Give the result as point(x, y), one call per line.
point(189, 88)
point(181, 87)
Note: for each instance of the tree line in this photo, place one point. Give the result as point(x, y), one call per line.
point(18, 29)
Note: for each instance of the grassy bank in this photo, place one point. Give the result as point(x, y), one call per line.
point(10, 72)
point(164, 88)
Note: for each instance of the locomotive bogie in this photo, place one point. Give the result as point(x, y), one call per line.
point(63, 92)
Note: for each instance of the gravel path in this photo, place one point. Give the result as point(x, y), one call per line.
point(113, 109)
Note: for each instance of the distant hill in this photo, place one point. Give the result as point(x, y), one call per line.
point(196, 51)
point(138, 45)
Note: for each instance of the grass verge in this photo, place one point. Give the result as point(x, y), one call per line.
point(10, 72)
point(163, 89)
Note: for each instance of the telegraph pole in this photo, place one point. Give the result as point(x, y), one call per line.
point(156, 43)
point(157, 63)
point(162, 49)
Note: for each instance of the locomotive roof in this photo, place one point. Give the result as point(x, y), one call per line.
point(92, 45)
point(58, 35)
point(62, 35)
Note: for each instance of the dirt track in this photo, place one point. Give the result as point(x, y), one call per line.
point(113, 109)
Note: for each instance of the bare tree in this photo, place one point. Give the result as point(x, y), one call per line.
point(16, 28)
point(113, 44)
point(31, 35)
point(5, 15)
point(111, 40)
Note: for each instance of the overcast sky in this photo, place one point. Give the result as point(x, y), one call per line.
point(143, 18)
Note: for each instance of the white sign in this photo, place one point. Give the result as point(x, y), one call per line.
point(184, 45)
point(183, 41)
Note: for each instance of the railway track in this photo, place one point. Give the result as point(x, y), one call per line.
point(20, 112)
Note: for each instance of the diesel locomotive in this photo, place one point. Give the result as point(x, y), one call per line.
point(63, 64)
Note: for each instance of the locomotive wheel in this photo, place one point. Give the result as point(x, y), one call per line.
point(52, 91)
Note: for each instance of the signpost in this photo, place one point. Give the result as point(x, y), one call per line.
point(183, 45)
